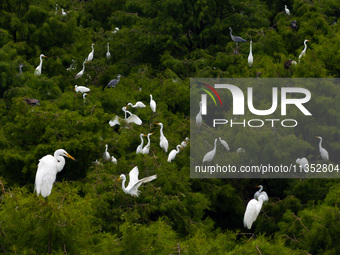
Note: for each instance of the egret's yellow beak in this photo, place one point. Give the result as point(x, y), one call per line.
point(257, 186)
point(44, 56)
point(119, 179)
point(69, 156)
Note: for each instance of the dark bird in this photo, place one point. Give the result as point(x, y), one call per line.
point(288, 63)
point(236, 39)
point(32, 101)
point(113, 83)
point(293, 25)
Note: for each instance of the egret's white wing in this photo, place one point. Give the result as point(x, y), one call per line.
point(139, 104)
point(225, 145)
point(133, 177)
point(251, 213)
point(164, 144)
point(115, 121)
point(134, 119)
point(46, 175)
point(134, 190)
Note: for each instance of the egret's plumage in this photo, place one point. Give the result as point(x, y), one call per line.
point(260, 192)
point(303, 52)
point(287, 10)
point(80, 74)
point(250, 57)
point(91, 54)
point(81, 89)
point(146, 148)
point(224, 143)
point(140, 147)
point(173, 153)
point(108, 54)
point(38, 69)
point(163, 142)
point(106, 155)
point(138, 104)
point(210, 155)
point(152, 104)
point(323, 153)
point(303, 163)
point(252, 211)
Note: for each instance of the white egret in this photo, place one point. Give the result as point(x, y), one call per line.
point(240, 150)
point(260, 192)
point(80, 74)
point(81, 89)
point(252, 211)
point(199, 116)
point(185, 142)
point(108, 54)
point(287, 10)
point(138, 104)
point(303, 52)
point(116, 30)
point(106, 155)
point(163, 143)
point(140, 147)
point(20, 68)
point(173, 153)
point(250, 57)
point(113, 160)
point(63, 12)
point(38, 69)
point(224, 143)
point(303, 163)
point(152, 104)
point(210, 155)
point(48, 168)
point(115, 121)
point(146, 148)
point(90, 56)
point(132, 188)
point(133, 118)
point(113, 83)
point(323, 153)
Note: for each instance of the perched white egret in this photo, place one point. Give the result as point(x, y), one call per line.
point(146, 148)
point(287, 10)
point(173, 153)
point(138, 104)
point(80, 74)
point(163, 143)
point(323, 153)
point(185, 142)
point(260, 192)
point(132, 188)
point(38, 69)
point(210, 155)
point(140, 147)
point(90, 56)
point(48, 168)
point(303, 163)
point(152, 104)
point(250, 57)
point(81, 89)
point(108, 54)
point(113, 160)
point(199, 116)
point(303, 52)
point(224, 143)
point(63, 12)
point(240, 150)
point(106, 155)
point(252, 211)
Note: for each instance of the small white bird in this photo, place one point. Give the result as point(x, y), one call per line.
point(81, 89)
point(132, 188)
point(108, 54)
point(113, 160)
point(146, 148)
point(252, 211)
point(210, 155)
point(152, 104)
point(163, 142)
point(84, 96)
point(48, 168)
point(116, 30)
point(38, 69)
point(303, 163)
point(323, 153)
point(287, 10)
point(303, 52)
point(250, 57)
point(138, 104)
point(199, 116)
point(106, 155)
point(173, 153)
point(140, 147)
point(185, 142)
point(80, 74)
point(90, 56)
point(63, 12)
point(224, 143)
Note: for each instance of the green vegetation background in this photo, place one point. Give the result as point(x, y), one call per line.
point(160, 45)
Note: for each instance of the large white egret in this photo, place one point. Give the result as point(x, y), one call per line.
point(303, 163)
point(132, 188)
point(106, 155)
point(250, 57)
point(146, 148)
point(210, 155)
point(38, 69)
point(63, 12)
point(81, 89)
point(140, 147)
point(108, 54)
point(138, 104)
point(152, 104)
point(90, 56)
point(80, 74)
point(163, 142)
point(48, 168)
point(224, 143)
point(173, 153)
point(323, 153)
point(113, 160)
point(252, 211)
point(260, 192)
point(287, 10)
point(199, 116)
point(303, 52)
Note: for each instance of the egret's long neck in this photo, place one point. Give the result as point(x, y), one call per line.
point(108, 46)
point(92, 47)
point(305, 43)
point(83, 66)
point(40, 61)
point(142, 141)
point(251, 47)
point(320, 147)
point(61, 163)
point(178, 147)
point(148, 141)
point(215, 145)
point(123, 185)
point(261, 188)
point(161, 131)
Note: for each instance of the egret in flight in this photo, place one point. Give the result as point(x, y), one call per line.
point(252, 211)
point(38, 69)
point(140, 147)
point(133, 118)
point(323, 153)
point(132, 188)
point(106, 155)
point(303, 52)
point(108, 54)
point(173, 153)
point(163, 142)
point(152, 104)
point(146, 148)
point(80, 74)
point(210, 155)
point(48, 168)
point(90, 56)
